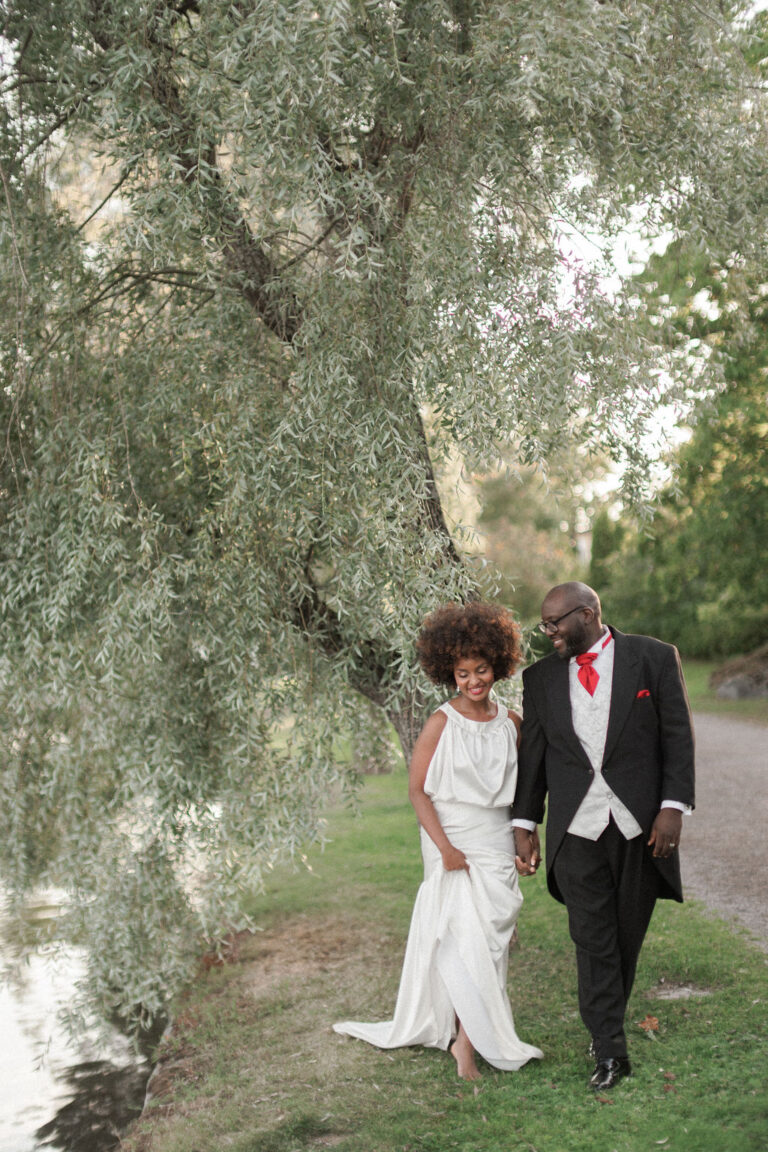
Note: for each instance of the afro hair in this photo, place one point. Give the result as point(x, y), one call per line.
point(456, 631)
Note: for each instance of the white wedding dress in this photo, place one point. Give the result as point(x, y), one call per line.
point(456, 956)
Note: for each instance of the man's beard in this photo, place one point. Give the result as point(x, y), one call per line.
point(577, 641)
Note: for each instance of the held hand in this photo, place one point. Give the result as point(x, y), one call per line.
point(528, 851)
point(666, 831)
point(454, 860)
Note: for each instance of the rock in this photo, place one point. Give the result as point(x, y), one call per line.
point(745, 678)
point(740, 688)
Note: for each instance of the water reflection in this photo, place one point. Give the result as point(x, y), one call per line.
point(56, 1092)
point(104, 1100)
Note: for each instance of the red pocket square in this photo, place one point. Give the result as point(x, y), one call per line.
point(643, 692)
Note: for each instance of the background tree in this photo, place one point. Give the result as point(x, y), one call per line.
point(535, 528)
point(250, 254)
point(698, 575)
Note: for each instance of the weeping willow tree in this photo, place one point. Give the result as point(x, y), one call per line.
point(264, 266)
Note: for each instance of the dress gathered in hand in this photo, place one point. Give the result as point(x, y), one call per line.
point(456, 956)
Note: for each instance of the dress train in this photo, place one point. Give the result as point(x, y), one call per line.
point(455, 961)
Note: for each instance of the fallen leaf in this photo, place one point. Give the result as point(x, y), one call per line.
point(669, 1076)
point(664, 1141)
point(650, 1024)
point(603, 1099)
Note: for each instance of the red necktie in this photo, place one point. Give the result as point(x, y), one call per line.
point(586, 673)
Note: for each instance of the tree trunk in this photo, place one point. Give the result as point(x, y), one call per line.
point(408, 722)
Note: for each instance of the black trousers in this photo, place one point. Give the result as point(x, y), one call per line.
point(610, 887)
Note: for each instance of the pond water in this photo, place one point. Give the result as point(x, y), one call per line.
point(58, 1092)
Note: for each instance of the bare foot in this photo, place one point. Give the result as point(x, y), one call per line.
point(464, 1055)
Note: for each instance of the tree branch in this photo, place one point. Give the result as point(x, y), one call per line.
point(108, 196)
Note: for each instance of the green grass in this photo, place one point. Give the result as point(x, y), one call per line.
point(703, 698)
point(258, 1069)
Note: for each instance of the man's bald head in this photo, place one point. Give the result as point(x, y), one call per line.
point(571, 616)
point(574, 592)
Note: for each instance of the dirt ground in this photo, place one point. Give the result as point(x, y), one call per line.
point(724, 851)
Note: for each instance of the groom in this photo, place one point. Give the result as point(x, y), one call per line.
point(607, 734)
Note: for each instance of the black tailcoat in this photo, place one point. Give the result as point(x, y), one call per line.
point(648, 750)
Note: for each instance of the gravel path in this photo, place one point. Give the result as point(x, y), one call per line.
point(724, 855)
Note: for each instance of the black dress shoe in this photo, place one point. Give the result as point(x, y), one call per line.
point(609, 1072)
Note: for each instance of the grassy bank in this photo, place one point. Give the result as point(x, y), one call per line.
point(253, 1065)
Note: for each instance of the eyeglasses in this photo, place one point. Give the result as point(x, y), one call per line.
point(549, 626)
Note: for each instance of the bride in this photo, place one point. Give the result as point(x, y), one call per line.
point(461, 784)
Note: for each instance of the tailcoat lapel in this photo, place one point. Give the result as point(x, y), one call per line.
point(626, 672)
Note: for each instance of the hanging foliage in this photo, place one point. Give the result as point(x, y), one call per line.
point(263, 265)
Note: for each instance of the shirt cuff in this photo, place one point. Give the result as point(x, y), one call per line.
point(686, 809)
point(529, 825)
